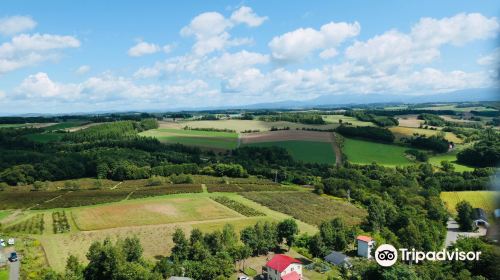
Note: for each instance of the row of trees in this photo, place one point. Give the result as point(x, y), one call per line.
point(305, 118)
point(367, 132)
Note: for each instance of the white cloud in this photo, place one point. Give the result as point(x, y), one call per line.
point(40, 85)
point(328, 53)
point(248, 16)
point(233, 63)
point(394, 50)
point(16, 24)
point(27, 50)
point(457, 30)
point(492, 58)
point(300, 43)
point(103, 88)
point(84, 69)
point(210, 30)
point(2, 95)
point(143, 48)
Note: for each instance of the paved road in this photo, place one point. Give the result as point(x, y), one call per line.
point(453, 232)
point(14, 270)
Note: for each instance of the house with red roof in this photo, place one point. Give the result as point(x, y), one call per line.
point(365, 246)
point(283, 267)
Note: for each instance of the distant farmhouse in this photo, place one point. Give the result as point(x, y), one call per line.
point(282, 267)
point(365, 246)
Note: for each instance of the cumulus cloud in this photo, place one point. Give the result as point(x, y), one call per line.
point(26, 50)
point(300, 43)
point(393, 50)
point(39, 85)
point(233, 63)
point(103, 88)
point(143, 48)
point(457, 30)
point(248, 16)
point(84, 69)
point(16, 24)
point(210, 30)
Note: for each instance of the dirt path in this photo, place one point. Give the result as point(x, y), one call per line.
point(204, 188)
point(336, 148)
point(116, 186)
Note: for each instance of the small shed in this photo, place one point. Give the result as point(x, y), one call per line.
point(338, 259)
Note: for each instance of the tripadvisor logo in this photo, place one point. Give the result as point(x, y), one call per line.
point(386, 255)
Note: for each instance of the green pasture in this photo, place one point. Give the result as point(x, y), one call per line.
point(306, 151)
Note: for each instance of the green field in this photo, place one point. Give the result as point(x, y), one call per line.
point(306, 151)
point(4, 274)
point(207, 139)
point(461, 109)
point(365, 152)
point(13, 125)
point(452, 158)
point(336, 118)
point(4, 213)
point(478, 199)
point(45, 137)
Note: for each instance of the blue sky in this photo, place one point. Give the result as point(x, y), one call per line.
point(75, 56)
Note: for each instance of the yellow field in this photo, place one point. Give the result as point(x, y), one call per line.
point(185, 211)
point(478, 199)
point(409, 121)
point(242, 125)
point(400, 131)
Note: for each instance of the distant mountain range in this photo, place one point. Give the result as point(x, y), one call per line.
point(468, 95)
point(330, 101)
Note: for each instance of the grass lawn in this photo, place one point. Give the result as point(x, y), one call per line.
point(4, 274)
point(478, 199)
point(4, 213)
point(209, 139)
point(366, 152)
point(452, 158)
point(307, 151)
point(150, 212)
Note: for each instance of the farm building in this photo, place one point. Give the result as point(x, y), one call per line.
point(338, 259)
point(479, 217)
point(365, 246)
point(283, 267)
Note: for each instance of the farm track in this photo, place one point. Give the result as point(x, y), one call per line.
point(115, 186)
point(338, 151)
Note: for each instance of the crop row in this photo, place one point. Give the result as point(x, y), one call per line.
point(237, 206)
point(60, 222)
point(165, 190)
point(244, 187)
point(308, 207)
point(33, 225)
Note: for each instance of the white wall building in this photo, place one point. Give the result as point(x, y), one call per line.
point(365, 246)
